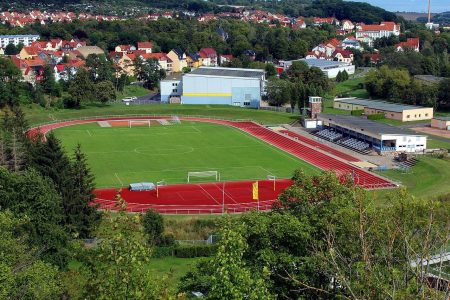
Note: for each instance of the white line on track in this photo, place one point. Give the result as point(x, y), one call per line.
point(220, 187)
point(208, 193)
point(118, 178)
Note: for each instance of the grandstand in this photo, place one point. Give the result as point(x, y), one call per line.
point(364, 135)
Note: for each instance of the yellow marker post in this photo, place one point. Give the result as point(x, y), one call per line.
point(255, 190)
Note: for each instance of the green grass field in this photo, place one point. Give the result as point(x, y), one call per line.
point(37, 115)
point(430, 177)
point(121, 155)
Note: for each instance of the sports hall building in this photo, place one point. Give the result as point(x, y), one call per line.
point(361, 135)
point(395, 111)
point(229, 86)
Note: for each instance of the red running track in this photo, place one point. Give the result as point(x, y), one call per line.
point(320, 146)
point(207, 198)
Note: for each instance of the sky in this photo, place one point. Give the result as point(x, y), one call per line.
point(437, 6)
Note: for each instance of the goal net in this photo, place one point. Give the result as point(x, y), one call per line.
point(204, 174)
point(138, 123)
point(176, 120)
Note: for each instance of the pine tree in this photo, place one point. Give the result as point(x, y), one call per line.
point(81, 215)
point(50, 160)
point(17, 156)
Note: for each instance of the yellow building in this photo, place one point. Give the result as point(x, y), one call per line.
point(394, 111)
point(193, 60)
point(178, 59)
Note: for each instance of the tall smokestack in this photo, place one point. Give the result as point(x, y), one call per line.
point(429, 11)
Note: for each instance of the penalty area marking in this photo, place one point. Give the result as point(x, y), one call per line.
point(118, 178)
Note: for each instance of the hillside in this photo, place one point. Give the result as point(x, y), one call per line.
point(355, 11)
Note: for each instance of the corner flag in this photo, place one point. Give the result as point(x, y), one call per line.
point(255, 191)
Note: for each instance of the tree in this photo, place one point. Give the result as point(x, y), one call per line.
point(81, 214)
point(10, 77)
point(11, 49)
point(28, 194)
point(100, 67)
point(270, 70)
point(81, 88)
point(48, 83)
point(104, 91)
point(23, 274)
point(444, 93)
point(153, 226)
point(231, 279)
point(118, 266)
point(148, 71)
point(278, 92)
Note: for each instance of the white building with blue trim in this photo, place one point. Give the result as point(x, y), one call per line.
point(229, 86)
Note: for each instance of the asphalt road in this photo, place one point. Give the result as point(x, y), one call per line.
point(152, 98)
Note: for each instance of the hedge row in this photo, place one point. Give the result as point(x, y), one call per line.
point(358, 112)
point(195, 251)
point(379, 116)
point(185, 251)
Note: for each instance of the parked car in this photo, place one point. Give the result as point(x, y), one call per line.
point(129, 99)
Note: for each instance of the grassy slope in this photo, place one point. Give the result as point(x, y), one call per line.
point(121, 155)
point(429, 178)
point(37, 115)
point(349, 87)
point(132, 90)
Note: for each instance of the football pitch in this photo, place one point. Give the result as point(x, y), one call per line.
point(120, 155)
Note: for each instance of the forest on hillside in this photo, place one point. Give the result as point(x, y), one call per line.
point(355, 11)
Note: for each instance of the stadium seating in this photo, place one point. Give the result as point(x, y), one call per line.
point(355, 144)
point(329, 134)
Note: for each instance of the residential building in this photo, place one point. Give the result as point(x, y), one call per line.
point(145, 46)
point(411, 43)
point(194, 60)
point(225, 58)
point(26, 40)
point(209, 57)
point(343, 55)
point(373, 32)
point(178, 59)
point(125, 48)
point(86, 50)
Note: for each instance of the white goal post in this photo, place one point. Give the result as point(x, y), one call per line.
point(138, 122)
point(274, 179)
point(216, 174)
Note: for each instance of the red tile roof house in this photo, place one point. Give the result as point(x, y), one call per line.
point(412, 43)
point(145, 46)
point(209, 56)
point(319, 21)
point(224, 58)
point(342, 55)
point(125, 48)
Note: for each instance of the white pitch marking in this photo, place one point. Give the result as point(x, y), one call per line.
point(118, 178)
point(89, 132)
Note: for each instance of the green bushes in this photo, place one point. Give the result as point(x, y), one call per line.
point(184, 251)
point(195, 251)
point(358, 112)
point(379, 116)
